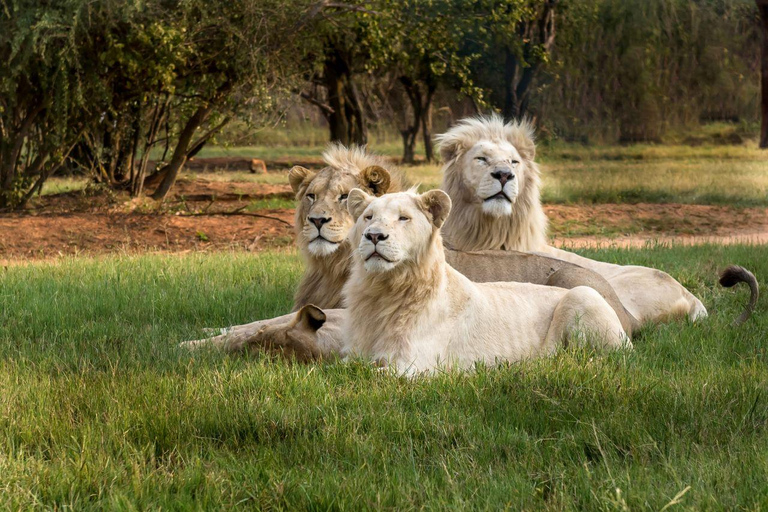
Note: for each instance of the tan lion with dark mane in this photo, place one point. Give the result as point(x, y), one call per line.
point(322, 220)
point(494, 183)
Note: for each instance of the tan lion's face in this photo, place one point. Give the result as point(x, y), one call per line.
point(322, 218)
point(494, 173)
point(395, 228)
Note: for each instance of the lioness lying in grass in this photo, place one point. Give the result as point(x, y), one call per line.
point(407, 307)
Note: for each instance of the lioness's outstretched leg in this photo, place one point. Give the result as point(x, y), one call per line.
point(582, 314)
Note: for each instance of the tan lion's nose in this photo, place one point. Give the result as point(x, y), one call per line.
point(319, 221)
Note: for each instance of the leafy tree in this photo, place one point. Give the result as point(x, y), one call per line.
point(183, 70)
point(336, 53)
point(629, 69)
point(45, 92)
point(514, 40)
point(420, 42)
point(762, 6)
point(101, 84)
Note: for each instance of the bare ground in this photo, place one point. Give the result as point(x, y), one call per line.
point(210, 216)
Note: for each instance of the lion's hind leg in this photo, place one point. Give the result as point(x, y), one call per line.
point(582, 316)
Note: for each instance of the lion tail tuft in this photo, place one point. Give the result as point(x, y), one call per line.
point(734, 275)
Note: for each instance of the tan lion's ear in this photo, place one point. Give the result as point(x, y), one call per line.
point(297, 175)
point(376, 179)
point(438, 204)
point(310, 317)
point(357, 202)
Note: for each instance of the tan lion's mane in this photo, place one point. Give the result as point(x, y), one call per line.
point(324, 277)
point(468, 228)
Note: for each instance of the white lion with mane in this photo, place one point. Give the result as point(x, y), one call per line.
point(490, 174)
point(408, 308)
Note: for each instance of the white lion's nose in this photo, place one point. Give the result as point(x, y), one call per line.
point(375, 237)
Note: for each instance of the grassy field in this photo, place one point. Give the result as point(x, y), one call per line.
point(572, 173)
point(101, 409)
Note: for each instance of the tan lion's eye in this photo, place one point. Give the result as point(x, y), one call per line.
point(343, 197)
point(311, 197)
point(368, 217)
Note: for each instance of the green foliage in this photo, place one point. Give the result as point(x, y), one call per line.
point(110, 80)
point(101, 409)
point(44, 93)
point(631, 70)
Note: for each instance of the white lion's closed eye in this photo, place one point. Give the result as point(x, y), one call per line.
point(482, 159)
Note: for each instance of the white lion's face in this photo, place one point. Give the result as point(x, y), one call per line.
point(395, 228)
point(494, 171)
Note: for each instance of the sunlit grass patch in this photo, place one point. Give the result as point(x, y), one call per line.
point(101, 409)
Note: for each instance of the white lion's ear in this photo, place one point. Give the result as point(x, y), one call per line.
point(450, 146)
point(357, 202)
point(522, 135)
point(438, 204)
point(297, 176)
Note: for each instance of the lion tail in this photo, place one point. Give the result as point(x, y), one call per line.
point(734, 275)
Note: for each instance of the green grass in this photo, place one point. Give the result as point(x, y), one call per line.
point(709, 174)
point(100, 409)
point(733, 175)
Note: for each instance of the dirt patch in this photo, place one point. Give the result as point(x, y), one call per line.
point(211, 216)
point(636, 225)
point(44, 236)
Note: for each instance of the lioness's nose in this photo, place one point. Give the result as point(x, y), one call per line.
point(503, 175)
point(319, 221)
point(375, 237)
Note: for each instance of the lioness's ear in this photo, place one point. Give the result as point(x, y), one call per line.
point(310, 317)
point(357, 202)
point(438, 204)
point(297, 175)
point(376, 179)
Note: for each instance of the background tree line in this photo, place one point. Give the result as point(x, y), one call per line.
point(128, 90)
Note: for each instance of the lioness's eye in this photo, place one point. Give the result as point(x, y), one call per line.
point(343, 197)
point(368, 217)
point(404, 218)
point(482, 159)
point(311, 197)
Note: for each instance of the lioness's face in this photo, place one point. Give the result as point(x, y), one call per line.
point(494, 171)
point(395, 228)
point(322, 219)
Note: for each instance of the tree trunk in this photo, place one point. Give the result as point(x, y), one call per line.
point(426, 124)
point(344, 112)
point(762, 6)
point(179, 157)
point(337, 121)
point(509, 110)
point(411, 130)
point(518, 76)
